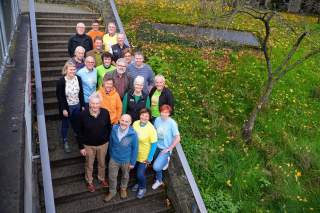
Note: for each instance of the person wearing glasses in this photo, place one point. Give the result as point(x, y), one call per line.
point(79, 39)
point(120, 77)
point(135, 99)
point(127, 55)
point(88, 75)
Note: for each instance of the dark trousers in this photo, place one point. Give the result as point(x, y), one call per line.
point(73, 118)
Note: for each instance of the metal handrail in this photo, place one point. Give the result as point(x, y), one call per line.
point(118, 20)
point(181, 155)
point(191, 180)
point(42, 131)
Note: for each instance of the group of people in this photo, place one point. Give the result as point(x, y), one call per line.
point(115, 106)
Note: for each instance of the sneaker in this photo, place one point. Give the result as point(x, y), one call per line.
point(104, 183)
point(108, 197)
point(135, 187)
point(141, 193)
point(167, 165)
point(157, 184)
point(66, 147)
point(91, 187)
point(123, 193)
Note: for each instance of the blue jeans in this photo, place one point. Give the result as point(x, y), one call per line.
point(73, 118)
point(141, 170)
point(160, 161)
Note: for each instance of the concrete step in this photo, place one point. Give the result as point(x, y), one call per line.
point(88, 15)
point(93, 202)
point(53, 44)
point(56, 36)
point(50, 81)
point(48, 92)
point(58, 28)
point(52, 114)
point(64, 21)
point(50, 103)
point(54, 71)
point(53, 61)
point(66, 191)
point(53, 53)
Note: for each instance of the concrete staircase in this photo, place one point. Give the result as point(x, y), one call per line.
point(70, 193)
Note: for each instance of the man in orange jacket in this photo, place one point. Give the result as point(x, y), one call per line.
point(110, 99)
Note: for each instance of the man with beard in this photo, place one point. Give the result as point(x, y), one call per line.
point(120, 77)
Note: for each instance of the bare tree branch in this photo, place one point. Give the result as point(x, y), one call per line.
point(298, 62)
point(293, 50)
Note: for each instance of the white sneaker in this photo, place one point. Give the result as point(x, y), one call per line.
point(156, 184)
point(167, 165)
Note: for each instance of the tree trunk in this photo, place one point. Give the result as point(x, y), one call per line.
point(249, 124)
point(294, 6)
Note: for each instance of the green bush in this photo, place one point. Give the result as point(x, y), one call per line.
point(221, 202)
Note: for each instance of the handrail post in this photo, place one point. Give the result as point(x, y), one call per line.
point(42, 132)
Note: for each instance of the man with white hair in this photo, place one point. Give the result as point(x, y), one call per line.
point(88, 75)
point(120, 77)
point(79, 39)
point(118, 47)
point(95, 128)
point(78, 58)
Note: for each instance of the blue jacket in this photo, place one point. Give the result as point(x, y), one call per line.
point(126, 150)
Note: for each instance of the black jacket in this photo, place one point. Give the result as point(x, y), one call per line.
point(134, 107)
point(117, 51)
point(61, 95)
point(79, 40)
point(94, 131)
point(166, 97)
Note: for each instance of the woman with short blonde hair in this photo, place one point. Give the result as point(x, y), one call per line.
point(69, 93)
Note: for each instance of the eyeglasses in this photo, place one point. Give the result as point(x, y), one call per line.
point(121, 65)
point(90, 62)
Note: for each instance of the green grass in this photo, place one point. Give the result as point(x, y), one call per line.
point(215, 89)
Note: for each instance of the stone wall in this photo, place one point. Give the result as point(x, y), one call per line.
point(178, 187)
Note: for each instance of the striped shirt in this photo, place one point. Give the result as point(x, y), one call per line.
point(146, 72)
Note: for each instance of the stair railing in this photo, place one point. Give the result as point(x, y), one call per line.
point(194, 187)
point(42, 131)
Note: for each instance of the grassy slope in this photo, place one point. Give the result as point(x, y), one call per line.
point(215, 89)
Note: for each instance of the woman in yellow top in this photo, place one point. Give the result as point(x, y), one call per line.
point(147, 137)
